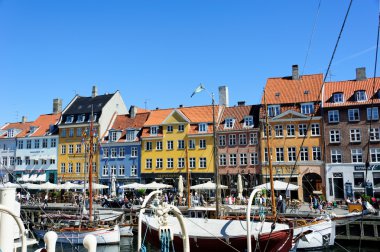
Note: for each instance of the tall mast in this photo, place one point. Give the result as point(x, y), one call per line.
point(90, 161)
point(188, 178)
point(215, 152)
point(274, 210)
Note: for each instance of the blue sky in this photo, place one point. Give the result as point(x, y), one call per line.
point(157, 52)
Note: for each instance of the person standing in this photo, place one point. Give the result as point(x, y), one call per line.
point(46, 200)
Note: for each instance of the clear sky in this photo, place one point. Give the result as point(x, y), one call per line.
point(157, 52)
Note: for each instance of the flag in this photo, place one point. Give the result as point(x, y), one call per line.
point(200, 88)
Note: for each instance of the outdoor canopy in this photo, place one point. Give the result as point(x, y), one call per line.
point(278, 186)
point(207, 186)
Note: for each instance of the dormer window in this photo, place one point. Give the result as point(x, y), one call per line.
point(10, 133)
point(307, 108)
point(94, 118)
point(273, 110)
point(248, 121)
point(113, 136)
point(130, 135)
point(337, 97)
point(229, 123)
point(154, 130)
point(80, 118)
point(69, 119)
point(33, 129)
point(202, 127)
point(360, 95)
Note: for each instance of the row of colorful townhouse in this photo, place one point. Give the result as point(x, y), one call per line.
point(324, 137)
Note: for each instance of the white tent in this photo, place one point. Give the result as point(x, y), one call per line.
point(278, 186)
point(48, 186)
point(207, 186)
point(30, 186)
point(9, 185)
point(96, 186)
point(155, 186)
point(68, 185)
point(133, 185)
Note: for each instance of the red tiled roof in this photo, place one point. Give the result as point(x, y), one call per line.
point(43, 123)
point(286, 90)
point(238, 113)
point(24, 127)
point(348, 89)
point(200, 114)
point(156, 117)
point(123, 122)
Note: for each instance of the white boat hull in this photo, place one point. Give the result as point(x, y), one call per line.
point(126, 231)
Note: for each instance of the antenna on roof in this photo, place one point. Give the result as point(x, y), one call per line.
point(145, 103)
point(330, 74)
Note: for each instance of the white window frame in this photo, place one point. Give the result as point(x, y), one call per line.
point(153, 130)
point(232, 159)
point(279, 130)
point(223, 159)
point(169, 145)
point(333, 116)
point(292, 154)
point(253, 139)
point(202, 144)
point(159, 163)
point(231, 139)
point(122, 169)
point(202, 127)
point(248, 122)
point(353, 115)
point(169, 163)
point(181, 144)
point(290, 130)
point(315, 129)
point(243, 139)
point(192, 162)
point(360, 95)
point(374, 134)
point(133, 170)
point(280, 154)
point(337, 154)
point(274, 110)
point(181, 163)
point(374, 116)
point(356, 155)
point(304, 153)
point(169, 129)
point(375, 155)
point(355, 136)
point(192, 144)
point(302, 128)
point(317, 153)
point(338, 97)
point(148, 163)
point(229, 123)
point(222, 140)
point(159, 145)
point(307, 108)
point(243, 159)
point(122, 152)
point(134, 151)
point(254, 158)
point(334, 136)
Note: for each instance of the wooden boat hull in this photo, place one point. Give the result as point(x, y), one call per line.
point(71, 236)
point(278, 240)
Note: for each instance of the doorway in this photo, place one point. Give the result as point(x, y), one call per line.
point(338, 188)
point(311, 182)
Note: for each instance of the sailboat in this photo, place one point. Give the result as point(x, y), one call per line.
point(75, 234)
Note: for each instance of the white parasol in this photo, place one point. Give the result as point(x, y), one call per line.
point(207, 186)
point(240, 187)
point(180, 186)
point(278, 186)
point(133, 185)
point(113, 186)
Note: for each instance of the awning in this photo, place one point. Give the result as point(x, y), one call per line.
point(41, 178)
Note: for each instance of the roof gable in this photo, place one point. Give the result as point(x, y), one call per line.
point(290, 114)
point(176, 116)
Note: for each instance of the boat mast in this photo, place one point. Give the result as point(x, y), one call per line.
point(274, 212)
point(188, 178)
point(215, 152)
point(90, 165)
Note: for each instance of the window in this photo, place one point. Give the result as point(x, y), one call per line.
point(63, 149)
point(79, 132)
point(222, 160)
point(280, 154)
point(273, 110)
point(181, 127)
point(169, 129)
point(192, 162)
point(181, 144)
point(52, 161)
point(181, 163)
point(292, 154)
point(113, 136)
point(153, 130)
point(159, 163)
point(27, 160)
point(248, 121)
point(113, 170)
point(290, 130)
point(36, 143)
point(353, 115)
point(170, 163)
point(69, 119)
point(302, 129)
point(202, 162)
point(202, 143)
point(71, 148)
point(278, 130)
point(148, 146)
point(307, 108)
point(18, 161)
point(373, 113)
point(122, 152)
point(44, 143)
point(71, 132)
point(53, 143)
point(375, 154)
point(233, 159)
point(78, 148)
point(315, 130)
point(159, 145)
point(148, 163)
point(360, 95)
point(338, 97)
point(63, 133)
point(133, 151)
point(28, 144)
point(12, 160)
point(335, 136)
point(70, 168)
point(170, 145)
point(86, 167)
point(105, 152)
point(333, 116)
point(336, 156)
point(243, 139)
point(20, 144)
point(357, 155)
point(113, 153)
point(133, 170)
point(376, 179)
point(222, 140)
point(254, 158)
point(63, 168)
point(229, 123)
point(304, 154)
point(192, 144)
point(253, 140)
point(105, 170)
point(266, 155)
point(130, 135)
point(265, 130)
point(203, 127)
point(243, 159)
point(355, 135)
point(374, 134)
point(358, 179)
point(317, 153)
point(80, 118)
point(232, 139)
point(35, 162)
point(77, 168)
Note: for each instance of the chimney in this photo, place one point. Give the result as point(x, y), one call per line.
point(94, 91)
point(241, 103)
point(23, 119)
point(360, 74)
point(180, 105)
point(133, 111)
point(223, 96)
point(57, 106)
point(295, 73)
